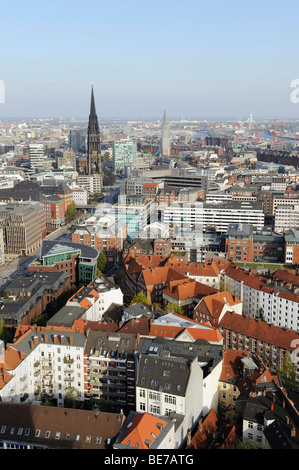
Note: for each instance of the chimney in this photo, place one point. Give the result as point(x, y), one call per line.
point(62, 339)
point(200, 424)
point(55, 338)
point(71, 340)
point(287, 420)
point(283, 403)
point(46, 338)
point(272, 406)
point(35, 339)
point(293, 431)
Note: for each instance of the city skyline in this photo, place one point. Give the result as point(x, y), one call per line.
point(199, 60)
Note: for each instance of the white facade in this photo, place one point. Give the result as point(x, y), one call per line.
point(48, 369)
point(277, 307)
point(162, 403)
point(80, 196)
point(37, 156)
point(92, 183)
point(286, 217)
point(186, 216)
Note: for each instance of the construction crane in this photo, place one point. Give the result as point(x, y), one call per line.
point(274, 128)
point(281, 128)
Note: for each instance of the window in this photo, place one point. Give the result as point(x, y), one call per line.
point(250, 425)
point(37, 433)
point(98, 440)
point(47, 434)
point(57, 435)
point(3, 428)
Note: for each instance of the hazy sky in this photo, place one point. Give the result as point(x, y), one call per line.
point(194, 58)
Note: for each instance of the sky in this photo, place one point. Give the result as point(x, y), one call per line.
point(194, 58)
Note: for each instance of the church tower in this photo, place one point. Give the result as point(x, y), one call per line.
point(94, 161)
point(165, 145)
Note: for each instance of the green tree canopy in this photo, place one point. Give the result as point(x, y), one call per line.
point(287, 372)
point(102, 262)
point(174, 308)
point(140, 298)
point(71, 211)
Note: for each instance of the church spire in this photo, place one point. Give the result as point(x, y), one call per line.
point(92, 104)
point(94, 163)
point(93, 119)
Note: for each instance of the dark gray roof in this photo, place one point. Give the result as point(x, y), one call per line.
point(86, 251)
point(160, 355)
point(114, 344)
point(67, 315)
point(272, 406)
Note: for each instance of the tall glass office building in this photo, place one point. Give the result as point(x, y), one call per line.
point(124, 154)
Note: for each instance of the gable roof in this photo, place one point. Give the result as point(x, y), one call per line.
point(142, 430)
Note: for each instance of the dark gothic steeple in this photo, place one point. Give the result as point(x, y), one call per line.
point(94, 163)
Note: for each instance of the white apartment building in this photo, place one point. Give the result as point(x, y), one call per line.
point(186, 216)
point(96, 298)
point(173, 379)
point(286, 217)
point(80, 196)
point(51, 363)
point(92, 183)
point(277, 304)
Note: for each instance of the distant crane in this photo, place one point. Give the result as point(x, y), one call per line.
point(274, 128)
point(281, 128)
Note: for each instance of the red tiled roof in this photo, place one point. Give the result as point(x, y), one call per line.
point(272, 334)
point(204, 435)
point(141, 429)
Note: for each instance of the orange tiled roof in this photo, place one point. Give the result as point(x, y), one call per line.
point(204, 435)
point(141, 428)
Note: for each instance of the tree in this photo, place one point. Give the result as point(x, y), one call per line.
point(174, 308)
point(287, 372)
point(140, 298)
point(71, 212)
point(70, 397)
point(5, 336)
point(102, 262)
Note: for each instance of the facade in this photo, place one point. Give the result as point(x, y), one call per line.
point(80, 196)
point(110, 361)
point(244, 243)
point(202, 216)
point(291, 253)
point(74, 258)
point(268, 342)
point(103, 233)
point(173, 382)
point(49, 363)
point(92, 183)
point(37, 157)
point(286, 217)
point(22, 230)
point(271, 420)
point(124, 154)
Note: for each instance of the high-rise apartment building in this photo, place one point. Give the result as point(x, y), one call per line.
point(124, 154)
point(37, 157)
